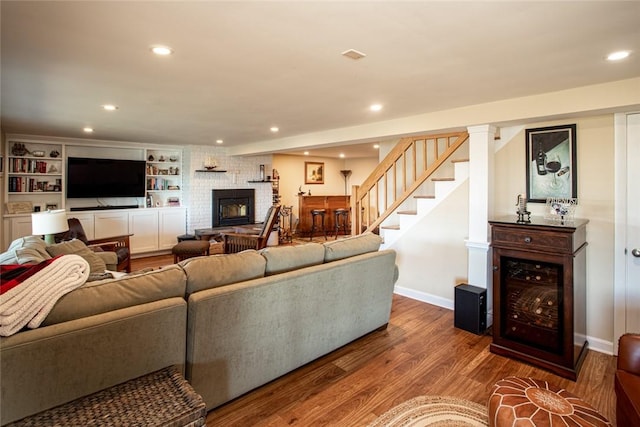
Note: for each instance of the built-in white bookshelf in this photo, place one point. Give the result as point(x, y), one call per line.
point(163, 178)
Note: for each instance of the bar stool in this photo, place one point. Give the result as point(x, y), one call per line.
point(341, 220)
point(317, 213)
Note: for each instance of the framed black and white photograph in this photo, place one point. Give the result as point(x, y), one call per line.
point(551, 163)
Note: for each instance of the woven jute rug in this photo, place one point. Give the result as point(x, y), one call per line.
point(434, 411)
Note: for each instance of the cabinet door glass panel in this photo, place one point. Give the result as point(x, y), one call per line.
point(532, 303)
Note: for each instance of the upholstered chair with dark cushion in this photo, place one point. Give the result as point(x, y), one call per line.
point(238, 242)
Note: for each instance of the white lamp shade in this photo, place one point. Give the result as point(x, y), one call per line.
point(49, 222)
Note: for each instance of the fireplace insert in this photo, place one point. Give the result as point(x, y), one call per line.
point(233, 207)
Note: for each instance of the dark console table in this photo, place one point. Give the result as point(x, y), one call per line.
point(539, 293)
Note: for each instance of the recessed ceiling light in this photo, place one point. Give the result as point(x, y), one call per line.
point(306, 153)
point(110, 107)
point(342, 155)
point(353, 54)
point(274, 129)
point(88, 130)
point(375, 107)
point(161, 50)
point(219, 141)
point(376, 146)
point(617, 56)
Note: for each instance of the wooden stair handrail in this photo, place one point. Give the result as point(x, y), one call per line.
point(387, 169)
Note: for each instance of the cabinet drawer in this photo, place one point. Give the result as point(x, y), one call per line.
point(536, 240)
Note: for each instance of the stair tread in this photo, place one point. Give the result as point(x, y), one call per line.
point(424, 197)
point(459, 160)
point(391, 227)
point(443, 179)
point(407, 212)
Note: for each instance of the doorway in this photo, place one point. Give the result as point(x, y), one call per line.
point(627, 226)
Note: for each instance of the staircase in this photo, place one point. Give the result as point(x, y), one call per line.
point(399, 223)
point(411, 180)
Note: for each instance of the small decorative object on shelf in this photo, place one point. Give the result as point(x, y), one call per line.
point(561, 209)
point(210, 163)
point(161, 159)
point(54, 153)
point(38, 153)
point(151, 158)
point(173, 158)
point(261, 172)
point(522, 210)
point(19, 150)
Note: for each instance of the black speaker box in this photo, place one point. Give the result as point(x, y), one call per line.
point(470, 311)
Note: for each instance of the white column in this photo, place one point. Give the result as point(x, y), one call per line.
point(481, 155)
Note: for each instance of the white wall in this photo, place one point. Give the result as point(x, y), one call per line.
point(432, 258)
point(291, 170)
point(240, 170)
point(595, 173)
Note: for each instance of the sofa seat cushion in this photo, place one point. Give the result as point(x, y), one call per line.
point(281, 259)
point(351, 246)
point(113, 294)
point(219, 270)
point(77, 247)
point(627, 387)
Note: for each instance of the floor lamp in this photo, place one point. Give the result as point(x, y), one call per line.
point(48, 224)
point(346, 173)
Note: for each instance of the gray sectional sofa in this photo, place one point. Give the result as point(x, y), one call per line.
point(233, 322)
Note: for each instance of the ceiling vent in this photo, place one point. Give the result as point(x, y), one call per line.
point(353, 54)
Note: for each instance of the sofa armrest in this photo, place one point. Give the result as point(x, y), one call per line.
point(53, 365)
point(629, 353)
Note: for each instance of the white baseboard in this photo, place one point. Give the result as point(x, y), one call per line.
point(595, 344)
point(600, 345)
point(424, 297)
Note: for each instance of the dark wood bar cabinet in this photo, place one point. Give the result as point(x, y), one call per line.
point(328, 203)
point(539, 293)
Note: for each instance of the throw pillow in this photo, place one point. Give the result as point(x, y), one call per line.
point(25, 250)
point(96, 264)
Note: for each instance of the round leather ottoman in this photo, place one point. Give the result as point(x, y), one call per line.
point(190, 249)
point(526, 402)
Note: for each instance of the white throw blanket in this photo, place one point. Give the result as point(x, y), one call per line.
point(29, 302)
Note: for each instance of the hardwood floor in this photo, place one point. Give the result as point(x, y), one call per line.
point(419, 353)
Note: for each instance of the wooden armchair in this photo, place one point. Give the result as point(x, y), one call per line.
point(238, 242)
point(118, 244)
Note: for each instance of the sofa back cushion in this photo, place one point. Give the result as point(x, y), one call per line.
point(351, 246)
point(281, 259)
point(219, 270)
point(113, 294)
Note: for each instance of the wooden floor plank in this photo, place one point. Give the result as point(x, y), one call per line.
point(419, 353)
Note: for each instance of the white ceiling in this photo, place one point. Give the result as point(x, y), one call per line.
point(239, 68)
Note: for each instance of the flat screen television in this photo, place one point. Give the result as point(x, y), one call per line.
point(93, 178)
